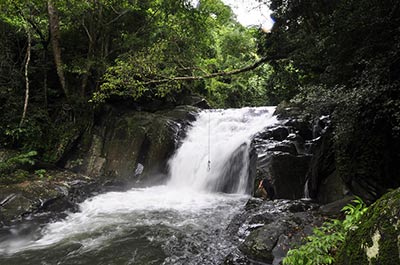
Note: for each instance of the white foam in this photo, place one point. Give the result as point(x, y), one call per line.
point(215, 135)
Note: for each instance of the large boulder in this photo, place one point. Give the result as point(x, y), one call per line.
point(376, 239)
point(324, 183)
point(286, 173)
point(59, 191)
point(268, 229)
point(131, 146)
point(281, 160)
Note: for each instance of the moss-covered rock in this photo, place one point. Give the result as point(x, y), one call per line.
point(376, 239)
point(130, 146)
point(58, 191)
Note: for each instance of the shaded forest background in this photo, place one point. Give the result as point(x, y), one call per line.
point(61, 61)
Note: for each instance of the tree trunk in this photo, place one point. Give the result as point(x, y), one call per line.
point(28, 58)
point(54, 24)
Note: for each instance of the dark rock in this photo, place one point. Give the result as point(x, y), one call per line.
point(284, 112)
point(300, 127)
point(331, 188)
point(260, 243)
point(121, 141)
point(323, 181)
point(285, 147)
point(238, 258)
point(63, 192)
point(279, 133)
point(286, 174)
point(376, 239)
point(333, 209)
point(253, 203)
point(268, 229)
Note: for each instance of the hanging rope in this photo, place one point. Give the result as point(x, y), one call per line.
point(209, 141)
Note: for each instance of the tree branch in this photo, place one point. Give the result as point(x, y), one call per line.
point(28, 59)
point(213, 75)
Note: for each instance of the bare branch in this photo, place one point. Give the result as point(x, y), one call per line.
point(28, 59)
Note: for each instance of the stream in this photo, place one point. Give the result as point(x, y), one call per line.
point(182, 222)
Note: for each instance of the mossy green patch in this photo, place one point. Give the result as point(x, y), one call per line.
point(376, 239)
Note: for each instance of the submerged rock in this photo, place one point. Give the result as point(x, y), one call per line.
point(376, 239)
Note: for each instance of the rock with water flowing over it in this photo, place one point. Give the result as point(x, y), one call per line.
point(122, 142)
point(266, 230)
point(282, 161)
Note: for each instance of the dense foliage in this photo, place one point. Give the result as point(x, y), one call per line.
point(341, 58)
point(59, 60)
point(321, 247)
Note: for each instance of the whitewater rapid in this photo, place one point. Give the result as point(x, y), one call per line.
point(182, 222)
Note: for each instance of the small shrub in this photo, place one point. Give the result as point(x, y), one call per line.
point(41, 173)
point(10, 170)
point(323, 244)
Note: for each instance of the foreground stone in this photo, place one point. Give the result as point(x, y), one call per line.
point(376, 240)
point(266, 230)
point(59, 191)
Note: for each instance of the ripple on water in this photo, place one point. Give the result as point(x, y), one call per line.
point(142, 226)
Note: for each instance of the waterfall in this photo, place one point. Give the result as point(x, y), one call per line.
point(223, 137)
point(183, 222)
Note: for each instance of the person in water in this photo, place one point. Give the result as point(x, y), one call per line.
point(266, 190)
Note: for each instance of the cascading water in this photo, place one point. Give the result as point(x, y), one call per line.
point(226, 146)
point(182, 222)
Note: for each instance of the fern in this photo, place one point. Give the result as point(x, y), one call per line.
point(320, 247)
point(21, 159)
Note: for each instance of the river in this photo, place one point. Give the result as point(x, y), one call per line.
point(182, 222)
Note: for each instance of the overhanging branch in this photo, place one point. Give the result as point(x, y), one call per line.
point(213, 75)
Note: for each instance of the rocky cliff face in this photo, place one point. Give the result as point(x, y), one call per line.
point(298, 159)
point(131, 147)
point(124, 148)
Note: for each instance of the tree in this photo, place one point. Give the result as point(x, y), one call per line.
point(54, 26)
point(345, 58)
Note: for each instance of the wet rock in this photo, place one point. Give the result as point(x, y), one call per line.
point(279, 133)
point(300, 127)
point(285, 147)
point(333, 209)
point(283, 111)
point(238, 258)
point(376, 239)
point(122, 140)
point(62, 192)
point(268, 229)
point(324, 184)
point(260, 243)
point(287, 174)
point(228, 181)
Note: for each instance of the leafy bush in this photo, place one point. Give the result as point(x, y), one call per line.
point(10, 171)
point(322, 246)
